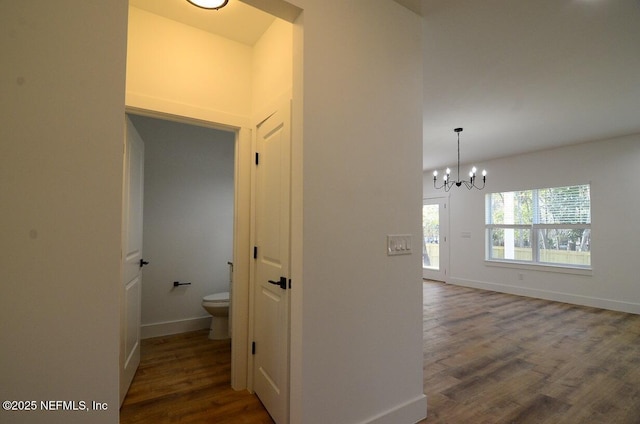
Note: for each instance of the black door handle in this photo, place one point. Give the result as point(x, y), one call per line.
point(282, 283)
point(143, 263)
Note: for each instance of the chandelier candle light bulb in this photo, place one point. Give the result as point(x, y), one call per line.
point(447, 183)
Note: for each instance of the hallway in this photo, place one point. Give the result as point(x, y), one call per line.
point(184, 379)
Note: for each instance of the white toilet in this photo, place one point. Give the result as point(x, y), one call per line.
point(217, 305)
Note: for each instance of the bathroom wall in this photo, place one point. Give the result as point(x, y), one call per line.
point(188, 222)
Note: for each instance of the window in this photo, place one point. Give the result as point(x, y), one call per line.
point(549, 226)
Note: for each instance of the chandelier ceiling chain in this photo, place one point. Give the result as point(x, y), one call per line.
point(447, 182)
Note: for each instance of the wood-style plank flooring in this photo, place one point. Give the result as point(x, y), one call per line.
point(488, 358)
point(497, 358)
point(185, 379)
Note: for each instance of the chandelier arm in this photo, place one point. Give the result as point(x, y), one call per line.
point(479, 188)
point(444, 185)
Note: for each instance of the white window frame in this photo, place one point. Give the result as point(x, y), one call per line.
point(535, 263)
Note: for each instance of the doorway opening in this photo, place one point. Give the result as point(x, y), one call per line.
point(218, 83)
point(235, 157)
point(187, 222)
point(435, 247)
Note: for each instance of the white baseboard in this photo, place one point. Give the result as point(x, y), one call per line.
point(174, 327)
point(574, 299)
point(407, 413)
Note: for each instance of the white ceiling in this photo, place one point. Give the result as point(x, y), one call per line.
point(518, 76)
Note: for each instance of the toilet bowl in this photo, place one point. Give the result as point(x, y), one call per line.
point(217, 305)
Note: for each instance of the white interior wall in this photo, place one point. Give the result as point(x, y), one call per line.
point(61, 154)
point(272, 62)
point(610, 166)
point(180, 70)
point(188, 222)
point(356, 312)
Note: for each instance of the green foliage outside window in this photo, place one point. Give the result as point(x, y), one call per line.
point(534, 225)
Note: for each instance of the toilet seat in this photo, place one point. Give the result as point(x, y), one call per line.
point(217, 298)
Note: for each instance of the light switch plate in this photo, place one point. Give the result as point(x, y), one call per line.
point(399, 244)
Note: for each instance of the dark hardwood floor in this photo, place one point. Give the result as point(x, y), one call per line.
point(488, 358)
point(498, 358)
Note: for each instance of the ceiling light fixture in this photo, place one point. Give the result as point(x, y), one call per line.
point(447, 182)
point(209, 4)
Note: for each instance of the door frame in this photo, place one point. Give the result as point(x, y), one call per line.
point(242, 217)
point(442, 274)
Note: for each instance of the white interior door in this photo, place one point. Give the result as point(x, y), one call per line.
point(435, 245)
point(130, 301)
point(271, 289)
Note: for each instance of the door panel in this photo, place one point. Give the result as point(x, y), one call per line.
point(271, 307)
point(132, 299)
point(435, 246)
point(131, 257)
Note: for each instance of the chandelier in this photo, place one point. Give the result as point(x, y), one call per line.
point(447, 182)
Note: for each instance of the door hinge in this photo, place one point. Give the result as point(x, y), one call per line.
point(257, 158)
point(255, 252)
point(253, 348)
point(289, 283)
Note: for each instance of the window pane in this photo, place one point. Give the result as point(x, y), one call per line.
point(510, 244)
point(565, 246)
point(544, 211)
point(565, 205)
point(513, 207)
point(431, 231)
